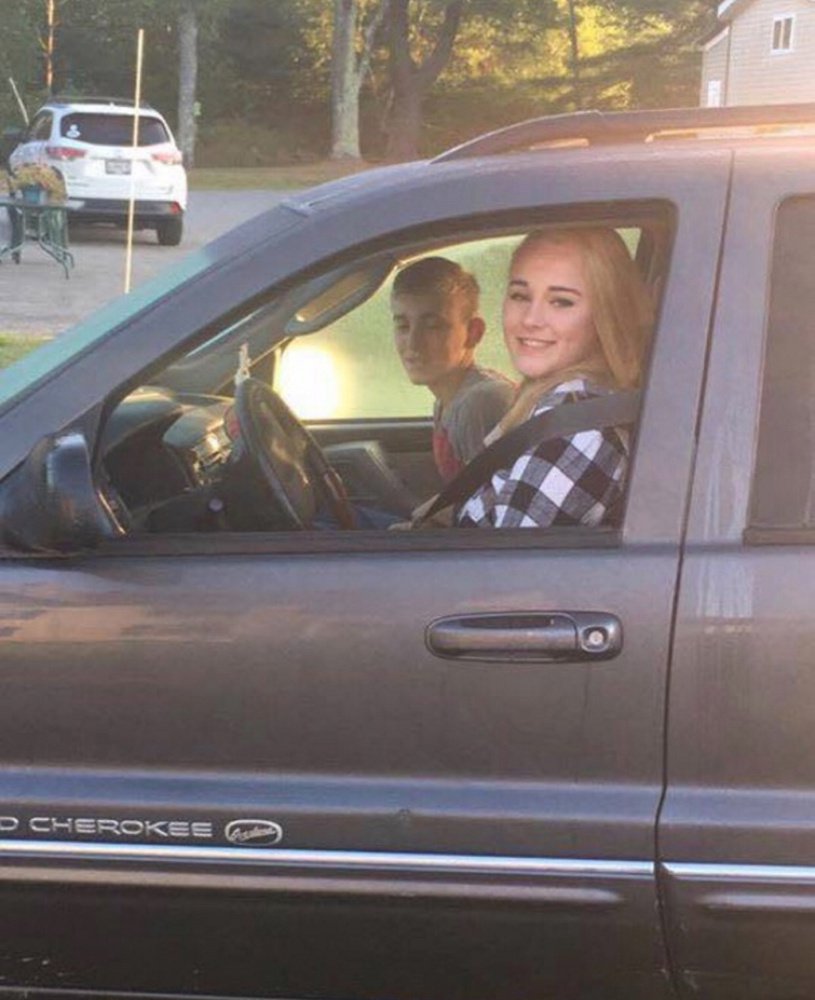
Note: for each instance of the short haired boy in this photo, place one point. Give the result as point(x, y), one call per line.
point(437, 329)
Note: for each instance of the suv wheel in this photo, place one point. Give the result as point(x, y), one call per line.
point(169, 231)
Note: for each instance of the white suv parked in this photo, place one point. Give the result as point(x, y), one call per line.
point(89, 141)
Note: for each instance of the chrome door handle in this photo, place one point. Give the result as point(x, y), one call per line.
point(527, 637)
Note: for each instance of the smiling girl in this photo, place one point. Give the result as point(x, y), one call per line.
point(576, 321)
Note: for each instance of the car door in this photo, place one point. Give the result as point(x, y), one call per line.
point(234, 765)
point(737, 832)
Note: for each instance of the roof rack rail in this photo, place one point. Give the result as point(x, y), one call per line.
point(600, 127)
point(93, 99)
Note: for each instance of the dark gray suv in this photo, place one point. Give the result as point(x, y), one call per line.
point(241, 755)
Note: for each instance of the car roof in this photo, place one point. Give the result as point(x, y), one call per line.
point(100, 105)
point(676, 135)
point(725, 125)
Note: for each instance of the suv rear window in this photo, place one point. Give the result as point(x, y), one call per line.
point(112, 130)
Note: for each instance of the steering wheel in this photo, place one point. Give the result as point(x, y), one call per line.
point(288, 458)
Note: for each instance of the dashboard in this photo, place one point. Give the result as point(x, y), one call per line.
point(167, 458)
point(176, 463)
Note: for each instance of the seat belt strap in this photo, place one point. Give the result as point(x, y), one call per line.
point(564, 419)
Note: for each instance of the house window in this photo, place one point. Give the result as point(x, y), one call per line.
point(782, 34)
point(714, 93)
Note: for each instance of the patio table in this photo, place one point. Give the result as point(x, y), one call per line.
point(47, 223)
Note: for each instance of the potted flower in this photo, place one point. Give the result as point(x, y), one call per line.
point(36, 182)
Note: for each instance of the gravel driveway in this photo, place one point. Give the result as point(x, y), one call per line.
point(35, 297)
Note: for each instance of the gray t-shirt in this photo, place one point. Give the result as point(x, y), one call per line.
point(460, 427)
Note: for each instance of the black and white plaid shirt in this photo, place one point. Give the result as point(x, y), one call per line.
point(566, 480)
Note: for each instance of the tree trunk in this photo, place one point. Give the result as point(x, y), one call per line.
point(187, 80)
point(345, 83)
point(348, 72)
point(411, 81)
point(404, 125)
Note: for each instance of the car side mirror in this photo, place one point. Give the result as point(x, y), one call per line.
point(50, 503)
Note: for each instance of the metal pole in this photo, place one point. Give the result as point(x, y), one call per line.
point(16, 92)
point(49, 47)
point(131, 208)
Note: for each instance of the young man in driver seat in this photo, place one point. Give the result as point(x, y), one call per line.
point(437, 328)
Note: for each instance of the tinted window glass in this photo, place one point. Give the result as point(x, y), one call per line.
point(112, 130)
point(41, 129)
point(784, 482)
point(350, 370)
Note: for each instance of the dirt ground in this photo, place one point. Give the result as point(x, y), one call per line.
point(37, 300)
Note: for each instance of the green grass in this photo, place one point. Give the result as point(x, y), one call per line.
point(14, 346)
point(294, 175)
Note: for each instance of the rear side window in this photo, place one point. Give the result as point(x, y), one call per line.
point(112, 130)
point(41, 129)
point(784, 479)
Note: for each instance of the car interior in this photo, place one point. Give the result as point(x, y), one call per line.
point(301, 408)
point(291, 414)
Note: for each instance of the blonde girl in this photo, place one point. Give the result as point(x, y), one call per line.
point(576, 320)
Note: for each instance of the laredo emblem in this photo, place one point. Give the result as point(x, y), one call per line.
point(253, 832)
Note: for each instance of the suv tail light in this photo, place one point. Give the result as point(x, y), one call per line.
point(171, 156)
point(64, 152)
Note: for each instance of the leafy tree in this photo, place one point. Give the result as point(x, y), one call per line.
point(558, 57)
point(639, 53)
point(19, 57)
point(470, 41)
point(96, 48)
point(272, 80)
point(274, 55)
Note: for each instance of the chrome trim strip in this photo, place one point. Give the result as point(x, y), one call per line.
point(358, 861)
point(740, 873)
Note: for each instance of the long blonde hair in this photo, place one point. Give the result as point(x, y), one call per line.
point(620, 307)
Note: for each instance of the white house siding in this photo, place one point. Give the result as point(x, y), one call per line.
point(714, 67)
point(758, 75)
